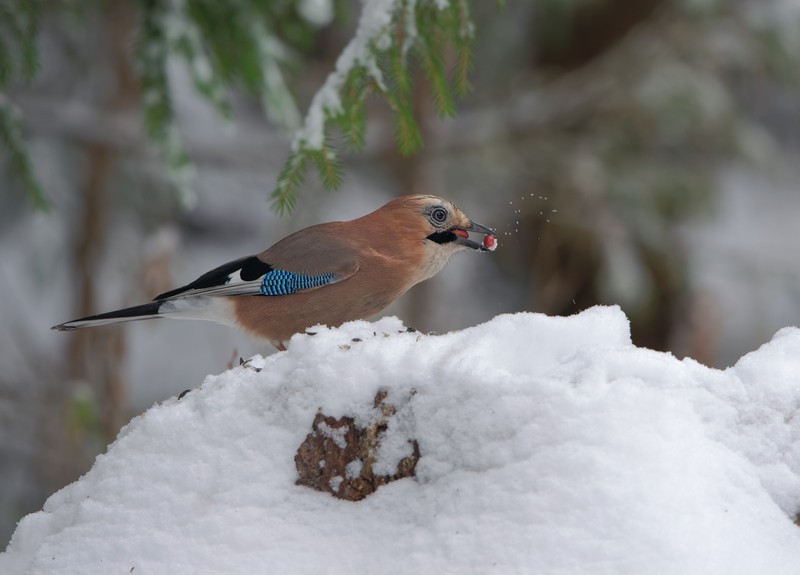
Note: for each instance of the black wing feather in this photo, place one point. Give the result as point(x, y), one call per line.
point(144, 311)
point(249, 268)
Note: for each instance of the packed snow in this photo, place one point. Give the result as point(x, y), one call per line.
point(548, 445)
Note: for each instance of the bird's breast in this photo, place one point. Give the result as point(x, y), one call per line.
point(434, 260)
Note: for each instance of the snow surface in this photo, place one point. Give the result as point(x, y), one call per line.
point(549, 445)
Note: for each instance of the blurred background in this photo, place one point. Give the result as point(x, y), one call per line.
point(632, 152)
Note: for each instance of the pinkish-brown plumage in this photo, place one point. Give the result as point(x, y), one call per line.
point(355, 269)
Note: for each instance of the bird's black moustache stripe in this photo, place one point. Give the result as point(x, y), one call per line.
point(442, 237)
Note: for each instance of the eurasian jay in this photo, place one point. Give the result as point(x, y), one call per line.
point(326, 274)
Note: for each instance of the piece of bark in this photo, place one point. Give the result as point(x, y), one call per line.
point(339, 456)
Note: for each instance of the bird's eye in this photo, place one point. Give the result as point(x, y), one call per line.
point(439, 215)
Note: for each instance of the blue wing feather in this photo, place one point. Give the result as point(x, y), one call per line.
point(280, 282)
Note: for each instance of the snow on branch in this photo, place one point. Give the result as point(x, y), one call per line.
point(390, 35)
point(221, 44)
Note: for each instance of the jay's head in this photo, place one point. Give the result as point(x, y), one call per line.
point(423, 232)
point(443, 225)
point(428, 230)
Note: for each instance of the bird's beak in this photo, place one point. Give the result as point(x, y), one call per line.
point(462, 237)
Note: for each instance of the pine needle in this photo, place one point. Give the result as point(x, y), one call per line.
point(328, 166)
point(284, 197)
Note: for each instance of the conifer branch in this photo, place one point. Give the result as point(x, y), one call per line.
point(19, 26)
point(6, 64)
point(14, 142)
point(463, 45)
point(328, 166)
point(392, 36)
point(433, 66)
point(225, 43)
point(289, 181)
point(353, 120)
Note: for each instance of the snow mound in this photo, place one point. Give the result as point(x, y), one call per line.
point(548, 445)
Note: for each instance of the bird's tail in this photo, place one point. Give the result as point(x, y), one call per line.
point(217, 309)
point(135, 313)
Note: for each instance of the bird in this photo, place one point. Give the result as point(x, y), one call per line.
point(328, 274)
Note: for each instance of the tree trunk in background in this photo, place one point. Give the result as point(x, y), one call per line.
point(413, 173)
point(566, 260)
point(95, 357)
point(593, 28)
